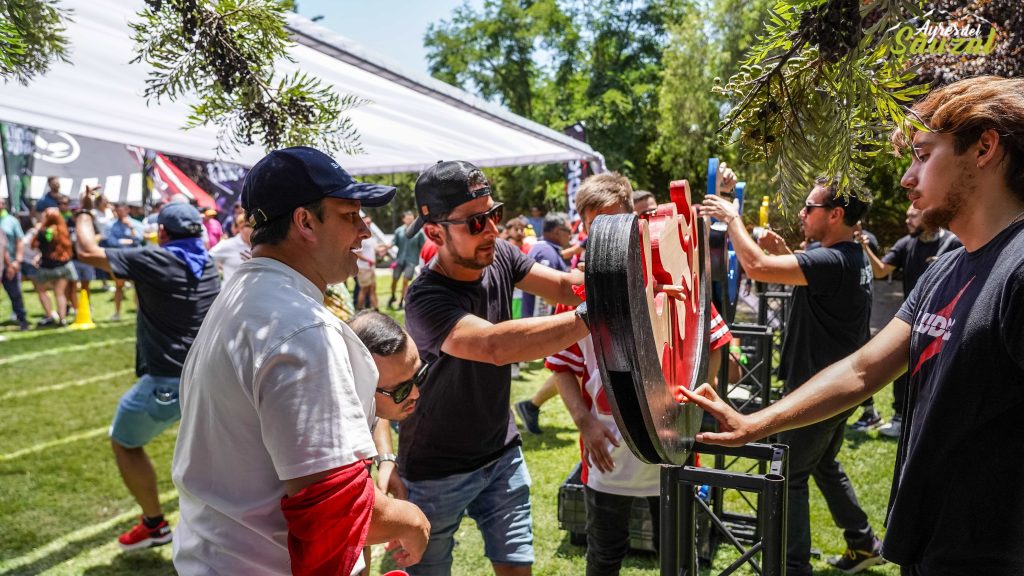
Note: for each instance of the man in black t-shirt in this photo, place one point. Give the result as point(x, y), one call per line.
point(831, 308)
point(913, 254)
point(957, 501)
point(176, 284)
point(460, 451)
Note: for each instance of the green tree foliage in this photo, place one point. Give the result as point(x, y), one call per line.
point(820, 90)
point(31, 38)
point(220, 51)
point(559, 63)
point(224, 51)
point(689, 111)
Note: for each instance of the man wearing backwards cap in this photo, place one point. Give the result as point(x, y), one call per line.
point(460, 452)
point(176, 284)
point(278, 394)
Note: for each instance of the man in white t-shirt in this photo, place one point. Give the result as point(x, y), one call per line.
point(277, 396)
point(229, 253)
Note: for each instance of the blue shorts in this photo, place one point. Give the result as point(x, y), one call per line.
point(145, 410)
point(85, 272)
point(496, 496)
point(29, 270)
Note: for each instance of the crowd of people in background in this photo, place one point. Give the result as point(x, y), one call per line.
point(40, 247)
point(236, 341)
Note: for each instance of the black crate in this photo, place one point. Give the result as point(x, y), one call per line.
point(572, 515)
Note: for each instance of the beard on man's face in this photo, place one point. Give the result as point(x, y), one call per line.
point(952, 203)
point(477, 261)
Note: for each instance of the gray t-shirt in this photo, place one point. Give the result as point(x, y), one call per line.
point(408, 248)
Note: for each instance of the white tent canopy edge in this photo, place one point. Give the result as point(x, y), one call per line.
point(410, 123)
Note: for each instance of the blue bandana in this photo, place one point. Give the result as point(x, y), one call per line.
point(190, 251)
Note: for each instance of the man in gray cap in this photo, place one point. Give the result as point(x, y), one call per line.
point(278, 395)
point(176, 284)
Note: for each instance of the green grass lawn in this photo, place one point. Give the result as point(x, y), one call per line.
point(63, 503)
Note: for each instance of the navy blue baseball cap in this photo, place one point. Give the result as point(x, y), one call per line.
point(291, 177)
point(180, 219)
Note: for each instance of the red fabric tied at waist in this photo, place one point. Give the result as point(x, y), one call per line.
point(328, 522)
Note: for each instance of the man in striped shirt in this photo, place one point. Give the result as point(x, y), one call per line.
point(612, 475)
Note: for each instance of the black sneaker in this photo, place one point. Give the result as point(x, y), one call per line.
point(854, 561)
point(869, 420)
point(530, 416)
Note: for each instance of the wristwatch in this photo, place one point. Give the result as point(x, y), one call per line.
point(581, 313)
point(384, 458)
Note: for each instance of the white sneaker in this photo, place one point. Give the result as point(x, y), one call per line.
point(115, 318)
point(893, 428)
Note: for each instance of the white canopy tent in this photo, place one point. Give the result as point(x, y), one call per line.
point(411, 122)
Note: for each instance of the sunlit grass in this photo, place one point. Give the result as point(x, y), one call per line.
point(63, 506)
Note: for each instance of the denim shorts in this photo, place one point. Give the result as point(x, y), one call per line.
point(65, 271)
point(496, 496)
point(145, 410)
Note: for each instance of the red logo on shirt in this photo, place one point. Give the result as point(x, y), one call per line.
point(939, 326)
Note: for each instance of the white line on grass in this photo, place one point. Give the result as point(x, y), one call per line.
point(53, 443)
point(86, 533)
point(62, 350)
point(63, 385)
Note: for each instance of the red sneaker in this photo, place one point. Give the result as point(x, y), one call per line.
point(142, 537)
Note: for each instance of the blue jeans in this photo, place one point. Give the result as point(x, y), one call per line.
point(496, 496)
point(13, 289)
point(145, 410)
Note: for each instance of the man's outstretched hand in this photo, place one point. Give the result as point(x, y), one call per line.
point(735, 429)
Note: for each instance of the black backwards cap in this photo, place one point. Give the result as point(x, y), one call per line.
point(291, 177)
point(443, 187)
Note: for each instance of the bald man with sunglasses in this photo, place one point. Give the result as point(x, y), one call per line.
point(460, 450)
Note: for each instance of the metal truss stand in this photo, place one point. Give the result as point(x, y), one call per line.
point(752, 391)
point(680, 503)
point(773, 311)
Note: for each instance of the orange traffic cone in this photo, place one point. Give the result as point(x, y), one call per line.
point(83, 320)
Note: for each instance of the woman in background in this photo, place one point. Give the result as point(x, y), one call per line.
point(55, 268)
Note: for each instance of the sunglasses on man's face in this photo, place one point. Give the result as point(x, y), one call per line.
point(399, 393)
point(808, 206)
point(477, 222)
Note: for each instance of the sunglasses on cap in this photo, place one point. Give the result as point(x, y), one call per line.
point(477, 222)
point(399, 393)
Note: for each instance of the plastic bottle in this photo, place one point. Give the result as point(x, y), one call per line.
point(762, 219)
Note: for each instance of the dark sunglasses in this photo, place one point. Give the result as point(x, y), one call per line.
point(808, 206)
point(399, 393)
point(477, 222)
